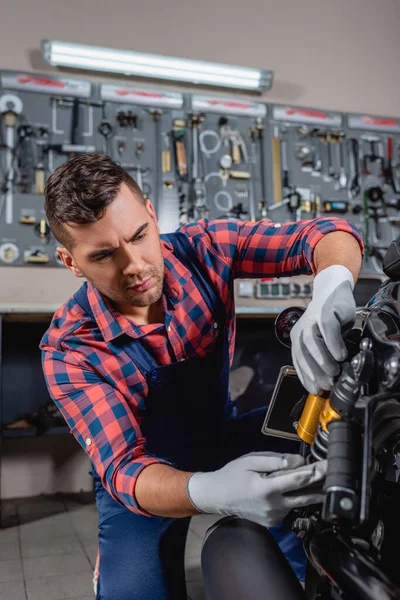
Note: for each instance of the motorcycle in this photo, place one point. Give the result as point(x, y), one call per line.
point(351, 540)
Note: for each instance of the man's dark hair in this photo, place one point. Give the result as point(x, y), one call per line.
point(80, 191)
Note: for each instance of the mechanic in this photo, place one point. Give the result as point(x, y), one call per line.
point(138, 363)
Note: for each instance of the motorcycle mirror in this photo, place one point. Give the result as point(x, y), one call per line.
point(391, 261)
point(285, 322)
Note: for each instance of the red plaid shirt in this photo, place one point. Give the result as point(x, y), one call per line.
point(99, 392)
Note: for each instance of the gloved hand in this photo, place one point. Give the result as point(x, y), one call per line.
point(261, 487)
point(317, 337)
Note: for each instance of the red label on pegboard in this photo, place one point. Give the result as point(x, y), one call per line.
point(139, 93)
point(373, 123)
point(305, 115)
point(230, 106)
point(49, 85)
point(128, 95)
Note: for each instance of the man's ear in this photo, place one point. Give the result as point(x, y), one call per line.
point(152, 212)
point(69, 261)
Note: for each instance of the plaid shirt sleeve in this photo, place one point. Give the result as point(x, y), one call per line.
point(265, 248)
point(101, 421)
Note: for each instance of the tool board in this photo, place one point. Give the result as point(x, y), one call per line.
point(195, 156)
point(47, 120)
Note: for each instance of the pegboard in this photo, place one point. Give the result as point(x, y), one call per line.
point(227, 150)
point(46, 121)
point(195, 156)
point(323, 164)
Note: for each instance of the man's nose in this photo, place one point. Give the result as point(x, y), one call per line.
point(133, 264)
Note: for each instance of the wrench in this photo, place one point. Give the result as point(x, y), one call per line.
point(354, 183)
point(342, 182)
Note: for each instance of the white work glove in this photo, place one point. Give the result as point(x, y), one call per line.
point(317, 337)
point(261, 487)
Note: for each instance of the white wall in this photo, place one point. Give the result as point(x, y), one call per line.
point(340, 54)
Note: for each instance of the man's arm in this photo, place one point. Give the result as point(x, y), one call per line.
point(263, 249)
point(338, 248)
point(162, 490)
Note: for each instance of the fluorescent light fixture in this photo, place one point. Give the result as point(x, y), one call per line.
point(81, 56)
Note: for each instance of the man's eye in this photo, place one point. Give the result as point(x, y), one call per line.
point(139, 237)
point(102, 257)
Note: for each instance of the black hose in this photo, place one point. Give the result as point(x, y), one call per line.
point(242, 561)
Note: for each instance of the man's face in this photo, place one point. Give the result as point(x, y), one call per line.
point(120, 254)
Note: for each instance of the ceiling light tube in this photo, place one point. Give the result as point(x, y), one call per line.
point(81, 56)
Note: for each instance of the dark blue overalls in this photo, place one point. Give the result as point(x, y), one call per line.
point(189, 421)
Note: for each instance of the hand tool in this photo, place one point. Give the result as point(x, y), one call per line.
point(178, 145)
point(330, 172)
point(42, 141)
point(354, 183)
point(374, 156)
point(156, 115)
point(340, 207)
point(342, 181)
point(198, 207)
point(166, 155)
point(121, 147)
point(276, 166)
point(139, 149)
point(388, 168)
point(253, 135)
point(317, 165)
point(260, 135)
point(225, 162)
point(26, 134)
point(239, 149)
point(285, 168)
point(106, 131)
point(10, 107)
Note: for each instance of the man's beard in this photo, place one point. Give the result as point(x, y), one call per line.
point(127, 295)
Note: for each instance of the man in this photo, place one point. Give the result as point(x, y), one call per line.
point(138, 363)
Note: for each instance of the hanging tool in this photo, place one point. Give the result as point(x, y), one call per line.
point(198, 204)
point(106, 131)
point(139, 150)
point(317, 163)
point(71, 148)
point(263, 201)
point(373, 157)
point(178, 143)
point(10, 107)
point(354, 181)
point(41, 144)
point(234, 137)
point(26, 153)
point(253, 135)
point(285, 168)
point(342, 181)
point(156, 115)
point(330, 169)
point(121, 147)
point(166, 155)
point(388, 168)
point(276, 166)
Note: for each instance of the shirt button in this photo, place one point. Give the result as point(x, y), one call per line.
point(169, 328)
point(215, 325)
point(88, 441)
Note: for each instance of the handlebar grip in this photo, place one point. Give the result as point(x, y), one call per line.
point(341, 482)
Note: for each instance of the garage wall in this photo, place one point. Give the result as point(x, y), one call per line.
point(339, 54)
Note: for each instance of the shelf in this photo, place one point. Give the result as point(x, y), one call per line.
point(19, 433)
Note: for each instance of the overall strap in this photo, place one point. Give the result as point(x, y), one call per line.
point(185, 252)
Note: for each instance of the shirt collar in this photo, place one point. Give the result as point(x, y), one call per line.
point(111, 323)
